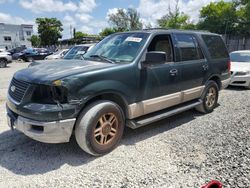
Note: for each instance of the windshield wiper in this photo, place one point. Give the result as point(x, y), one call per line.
point(102, 58)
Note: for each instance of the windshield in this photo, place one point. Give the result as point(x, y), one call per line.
point(240, 57)
point(75, 51)
point(122, 47)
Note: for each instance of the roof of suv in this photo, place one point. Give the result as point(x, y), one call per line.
point(160, 30)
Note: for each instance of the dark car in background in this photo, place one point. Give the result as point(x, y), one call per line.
point(17, 50)
point(76, 52)
point(31, 54)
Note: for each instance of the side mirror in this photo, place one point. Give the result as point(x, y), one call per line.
point(155, 57)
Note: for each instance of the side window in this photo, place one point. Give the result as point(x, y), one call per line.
point(162, 43)
point(216, 46)
point(188, 47)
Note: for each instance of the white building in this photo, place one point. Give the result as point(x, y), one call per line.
point(12, 36)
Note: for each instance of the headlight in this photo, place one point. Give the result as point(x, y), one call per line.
point(44, 94)
point(242, 73)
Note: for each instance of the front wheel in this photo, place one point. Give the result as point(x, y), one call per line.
point(99, 127)
point(3, 63)
point(209, 98)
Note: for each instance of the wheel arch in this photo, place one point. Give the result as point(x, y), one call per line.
point(216, 78)
point(109, 96)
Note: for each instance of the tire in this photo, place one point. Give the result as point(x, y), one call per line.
point(209, 98)
point(30, 59)
point(3, 63)
point(94, 133)
point(20, 60)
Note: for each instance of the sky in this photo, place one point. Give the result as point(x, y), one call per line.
point(90, 16)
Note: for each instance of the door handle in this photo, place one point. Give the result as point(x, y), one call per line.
point(205, 67)
point(173, 72)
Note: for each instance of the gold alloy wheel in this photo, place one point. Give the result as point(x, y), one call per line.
point(210, 97)
point(106, 129)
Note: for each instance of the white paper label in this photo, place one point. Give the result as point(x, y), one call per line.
point(133, 39)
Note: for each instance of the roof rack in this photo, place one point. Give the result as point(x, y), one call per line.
point(191, 30)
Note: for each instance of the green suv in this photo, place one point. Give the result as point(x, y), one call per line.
point(128, 79)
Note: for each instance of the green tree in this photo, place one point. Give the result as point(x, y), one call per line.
point(243, 13)
point(133, 17)
point(125, 20)
point(219, 17)
point(35, 40)
point(175, 19)
point(49, 30)
point(107, 31)
point(80, 35)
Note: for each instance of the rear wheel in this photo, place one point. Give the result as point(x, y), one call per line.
point(209, 98)
point(3, 63)
point(30, 59)
point(99, 128)
point(20, 60)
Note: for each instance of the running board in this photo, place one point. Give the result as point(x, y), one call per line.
point(157, 116)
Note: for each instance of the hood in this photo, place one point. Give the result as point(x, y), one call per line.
point(57, 69)
point(240, 66)
point(5, 53)
point(53, 56)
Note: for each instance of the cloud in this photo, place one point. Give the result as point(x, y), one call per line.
point(84, 18)
point(7, 18)
point(86, 6)
point(39, 6)
point(6, 1)
point(152, 10)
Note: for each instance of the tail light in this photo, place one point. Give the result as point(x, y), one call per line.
point(229, 66)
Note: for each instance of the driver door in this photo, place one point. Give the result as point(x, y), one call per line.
point(161, 82)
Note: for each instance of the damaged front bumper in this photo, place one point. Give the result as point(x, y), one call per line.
point(47, 132)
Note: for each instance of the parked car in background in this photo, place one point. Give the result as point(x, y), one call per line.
point(128, 79)
point(57, 55)
point(75, 52)
point(240, 68)
point(5, 58)
point(16, 50)
point(31, 54)
point(78, 51)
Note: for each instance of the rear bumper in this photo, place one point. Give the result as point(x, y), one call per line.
point(240, 81)
point(47, 132)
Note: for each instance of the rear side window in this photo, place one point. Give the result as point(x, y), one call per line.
point(216, 46)
point(188, 47)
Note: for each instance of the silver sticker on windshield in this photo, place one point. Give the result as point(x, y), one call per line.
point(133, 39)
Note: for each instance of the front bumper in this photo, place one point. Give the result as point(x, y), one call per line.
point(47, 132)
point(240, 80)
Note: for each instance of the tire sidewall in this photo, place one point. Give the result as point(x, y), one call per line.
point(3, 63)
point(87, 122)
point(208, 86)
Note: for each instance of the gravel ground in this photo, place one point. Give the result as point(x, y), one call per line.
point(186, 150)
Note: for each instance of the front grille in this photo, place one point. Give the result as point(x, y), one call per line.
point(18, 89)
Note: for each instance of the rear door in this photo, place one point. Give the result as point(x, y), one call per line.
point(194, 65)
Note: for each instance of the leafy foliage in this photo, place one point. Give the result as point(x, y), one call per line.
point(49, 30)
point(125, 20)
point(175, 19)
point(35, 40)
point(107, 31)
point(219, 17)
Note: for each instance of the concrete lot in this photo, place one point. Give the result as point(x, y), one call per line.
point(186, 150)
